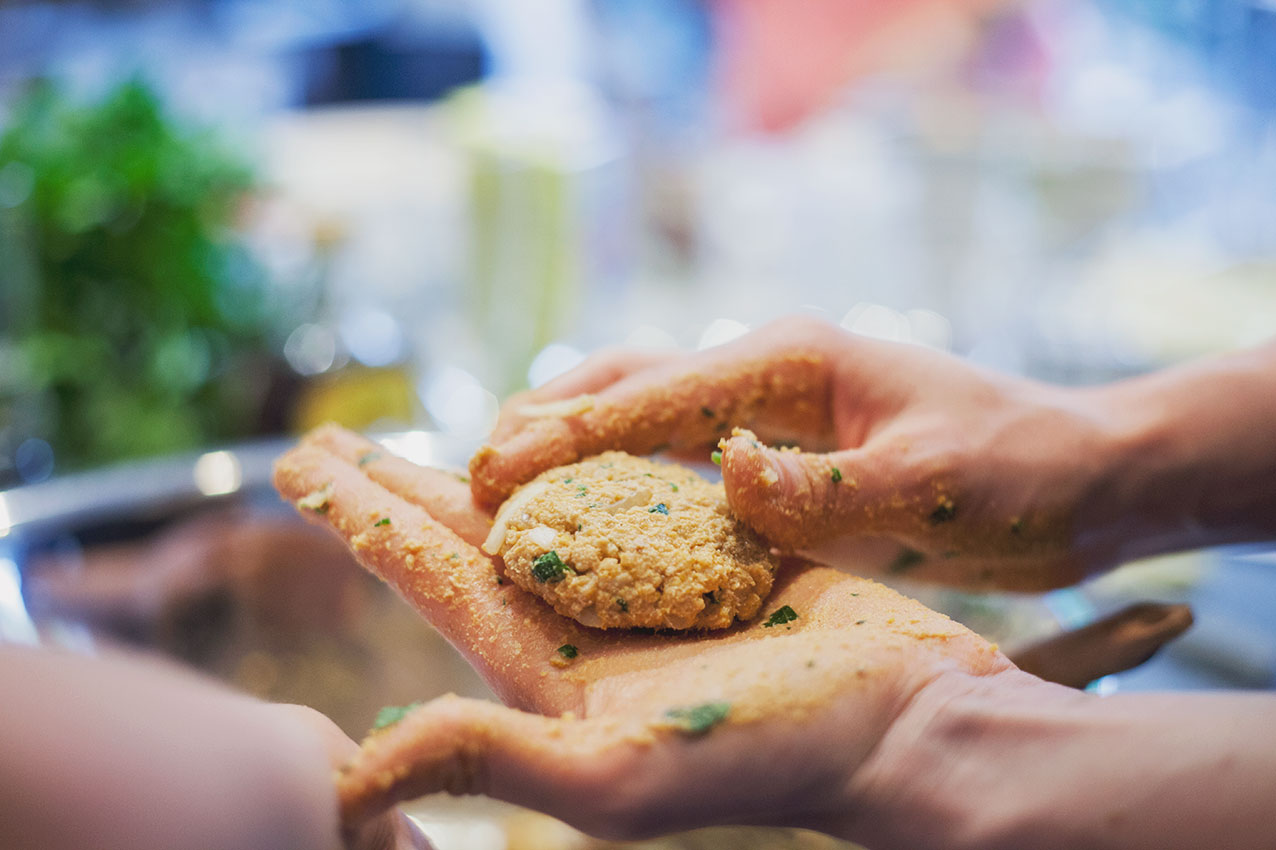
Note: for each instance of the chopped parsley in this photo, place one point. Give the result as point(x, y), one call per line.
point(661, 508)
point(905, 561)
point(568, 650)
point(549, 568)
point(696, 720)
point(674, 486)
point(945, 512)
point(836, 475)
point(783, 614)
point(454, 556)
point(383, 521)
point(391, 715)
point(716, 457)
point(369, 457)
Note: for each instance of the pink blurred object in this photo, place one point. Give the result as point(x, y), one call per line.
point(782, 60)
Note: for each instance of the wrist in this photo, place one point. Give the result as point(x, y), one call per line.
point(940, 776)
point(1187, 457)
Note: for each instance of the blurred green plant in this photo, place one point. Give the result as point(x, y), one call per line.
point(135, 320)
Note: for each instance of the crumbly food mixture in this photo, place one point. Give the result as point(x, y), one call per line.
point(617, 541)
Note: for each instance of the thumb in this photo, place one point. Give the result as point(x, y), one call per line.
point(799, 499)
point(578, 770)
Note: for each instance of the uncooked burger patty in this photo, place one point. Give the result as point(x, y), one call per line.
point(618, 541)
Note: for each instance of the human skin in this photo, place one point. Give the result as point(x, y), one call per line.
point(853, 720)
point(946, 471)
point(121, 751)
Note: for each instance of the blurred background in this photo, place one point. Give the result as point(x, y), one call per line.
point(225, 221)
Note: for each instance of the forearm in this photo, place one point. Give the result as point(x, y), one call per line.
point(1010, 761)
point(121, 752)
point(1191, 458)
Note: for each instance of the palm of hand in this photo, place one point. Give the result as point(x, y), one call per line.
point(748, 725)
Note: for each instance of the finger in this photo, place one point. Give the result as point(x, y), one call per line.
point(781, 375)
point(508, 636)
point(624, 777)
point(599, 371)
point(797, 500)
point(1118, 642)
point(444, 496)
point(873, 500)
point(465, 746)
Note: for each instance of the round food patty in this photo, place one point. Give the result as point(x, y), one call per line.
point(617, 541)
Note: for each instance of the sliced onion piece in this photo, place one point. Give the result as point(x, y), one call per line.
point(558, 409)
point(635, 499)
point(515, 503)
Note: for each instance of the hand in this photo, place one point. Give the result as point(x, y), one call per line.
point(938, 468)
point(637, 733)
point(390, 830)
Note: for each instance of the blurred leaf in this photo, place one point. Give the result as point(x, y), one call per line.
point(141, 292)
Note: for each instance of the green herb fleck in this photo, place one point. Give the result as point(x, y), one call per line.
point(905, 561)
point(383, 521)
point(716, 457)
point(783, 614)
point(674, 486)
point(836, 475)
point(391, 715)
point(369, 457)
point(581, 489)
point(661, 508)
point(454, 556)
point(567, 650)
point(696, 720)
point(462, 477)
point(549, 568)
point(708, 412)
point(945, 512)
point(568, 480)
point(623, 605)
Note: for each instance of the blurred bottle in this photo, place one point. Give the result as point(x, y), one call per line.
point(547, 187)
